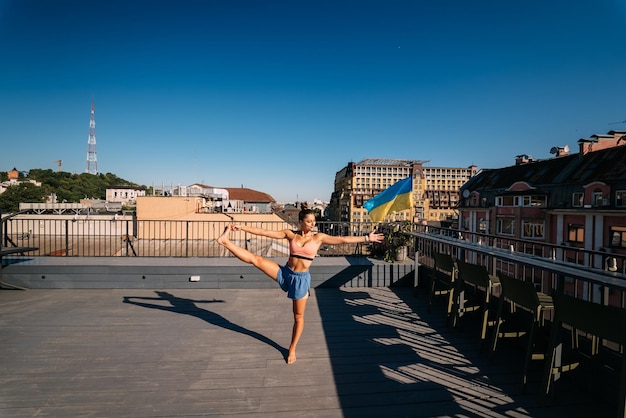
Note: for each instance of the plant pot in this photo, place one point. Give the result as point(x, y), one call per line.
point(401, 253)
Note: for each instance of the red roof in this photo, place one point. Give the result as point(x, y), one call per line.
point(248, 195)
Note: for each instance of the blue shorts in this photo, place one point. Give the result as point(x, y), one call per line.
point(296, 284)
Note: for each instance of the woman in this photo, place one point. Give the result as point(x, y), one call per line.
point(293, 277)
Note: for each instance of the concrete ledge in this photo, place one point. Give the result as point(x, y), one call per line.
point(175, 273)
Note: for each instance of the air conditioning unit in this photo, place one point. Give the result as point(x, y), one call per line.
point(604, 202)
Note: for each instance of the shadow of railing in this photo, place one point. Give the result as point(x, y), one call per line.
point(392, 356)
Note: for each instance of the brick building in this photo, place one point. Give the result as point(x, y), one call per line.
point(577, 200)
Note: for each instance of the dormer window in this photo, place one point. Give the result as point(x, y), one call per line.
point(597, 199)
point(526, 200)
point(533, 200)
point(504, 201)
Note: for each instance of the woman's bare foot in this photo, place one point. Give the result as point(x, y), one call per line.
point(291, 357)
point(223, 239)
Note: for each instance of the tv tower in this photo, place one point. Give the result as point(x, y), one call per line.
point(92, 160)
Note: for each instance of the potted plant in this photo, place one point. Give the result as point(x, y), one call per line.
point(397, 241)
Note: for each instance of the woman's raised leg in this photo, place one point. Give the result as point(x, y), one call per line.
point(268, 267)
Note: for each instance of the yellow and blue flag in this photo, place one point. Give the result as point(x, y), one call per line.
point(396, 198)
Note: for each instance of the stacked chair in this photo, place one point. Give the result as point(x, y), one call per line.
point(521, 296)
point(596, 320)
point(443, 279)
point(473, 293)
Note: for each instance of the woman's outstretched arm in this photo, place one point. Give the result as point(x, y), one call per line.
point(353, 239)
point(284, 233)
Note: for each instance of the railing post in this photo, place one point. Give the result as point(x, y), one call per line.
point(187, 239)
point(67, 237)
point(126, 237)
point(2, 243)
point(416, 266)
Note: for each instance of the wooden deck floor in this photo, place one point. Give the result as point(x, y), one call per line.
point(365, 353)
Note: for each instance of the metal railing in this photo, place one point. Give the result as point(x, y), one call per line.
point(575, 271)
point(113, 236)
point(604, 259)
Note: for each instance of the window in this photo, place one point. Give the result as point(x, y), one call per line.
point(575, 233)
point(505, 226)
point(620, 198)
point(618, 236)
point(577, 199)
point(482, 226)
point(521, 200)
point(538, 200)
point(530, 200)
point(597, 198)
point(532, 228)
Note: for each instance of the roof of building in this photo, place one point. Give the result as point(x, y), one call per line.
point(126, 187)
point(248, 195)
point(606, 165)
point(389, 162)
point(241, 193)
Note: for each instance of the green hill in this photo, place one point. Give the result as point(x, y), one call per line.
point(68, 187)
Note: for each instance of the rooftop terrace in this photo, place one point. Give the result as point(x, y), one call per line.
point(135, 337)
point(365, 352)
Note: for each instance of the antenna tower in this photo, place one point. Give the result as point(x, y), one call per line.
point(92, 160)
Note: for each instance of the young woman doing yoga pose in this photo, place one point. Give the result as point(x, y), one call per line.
point(294, 277)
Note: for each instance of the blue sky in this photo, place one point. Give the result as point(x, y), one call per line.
point(278, 96)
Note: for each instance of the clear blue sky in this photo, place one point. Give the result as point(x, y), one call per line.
point(278, 96)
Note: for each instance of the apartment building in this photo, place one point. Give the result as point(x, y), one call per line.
point(577, 200)
point(435, 189)
point(126, 195)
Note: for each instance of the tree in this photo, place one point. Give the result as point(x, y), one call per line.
point(21, 193)
point(68, 187)
point(74, 187)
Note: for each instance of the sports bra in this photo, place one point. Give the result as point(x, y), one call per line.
point(306, 252)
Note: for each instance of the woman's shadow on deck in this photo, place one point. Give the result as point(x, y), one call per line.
point(188, 307)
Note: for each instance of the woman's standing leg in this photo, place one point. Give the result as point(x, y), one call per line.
point(299, 306)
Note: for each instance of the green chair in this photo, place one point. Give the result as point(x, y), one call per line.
point(523, 295)
point(596, 320)
point(443, 279)
point(474, 278)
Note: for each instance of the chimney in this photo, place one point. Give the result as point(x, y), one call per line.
point(598, 142)
point(560, 151)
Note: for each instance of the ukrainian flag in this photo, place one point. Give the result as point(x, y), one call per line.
point(396, 198)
